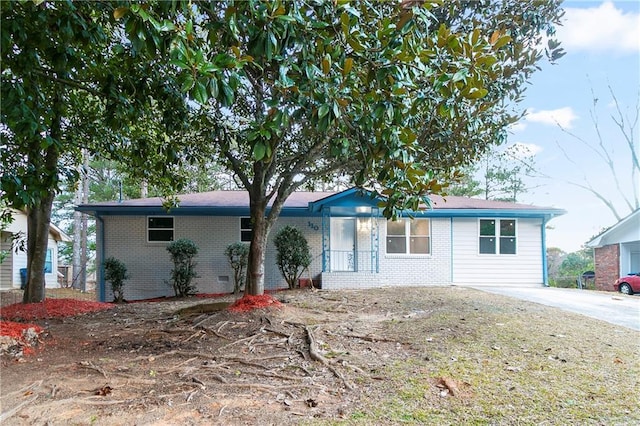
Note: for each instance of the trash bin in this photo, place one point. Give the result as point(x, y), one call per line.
point(23, 278)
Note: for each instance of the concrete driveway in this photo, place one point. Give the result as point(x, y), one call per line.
point(616, 308)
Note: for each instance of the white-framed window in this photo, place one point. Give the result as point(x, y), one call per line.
point(409, 236)
point(48, 262)
point(246, 229)
point(160, 229)
point(497, 236)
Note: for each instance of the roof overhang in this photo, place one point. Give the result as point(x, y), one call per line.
point(626, 230)
point(353, 201)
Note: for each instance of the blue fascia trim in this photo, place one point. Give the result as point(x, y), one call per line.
point(352, 197)
point(546, 214)
point(314, 210)
point(191, 211)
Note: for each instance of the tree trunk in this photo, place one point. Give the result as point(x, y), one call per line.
point(39, 213)
point(257, 249)
point(77, 243)
point(79, 280)
point(84, 246)
point(38, 221)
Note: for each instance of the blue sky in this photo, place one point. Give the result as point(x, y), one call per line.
point(602, 41)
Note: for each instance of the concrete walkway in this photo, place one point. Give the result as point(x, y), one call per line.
point(615, 308)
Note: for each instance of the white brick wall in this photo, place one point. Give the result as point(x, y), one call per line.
point(402, 270)
point(149, 264)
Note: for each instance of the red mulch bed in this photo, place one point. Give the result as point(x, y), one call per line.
point(15, 330)
point(248, 303)
point(51, 308)
point(60, 308)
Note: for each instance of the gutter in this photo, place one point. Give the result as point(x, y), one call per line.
point(543, 235)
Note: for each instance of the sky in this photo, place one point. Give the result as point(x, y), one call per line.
point(602, 41)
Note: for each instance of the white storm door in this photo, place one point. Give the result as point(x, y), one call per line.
point(343, 244)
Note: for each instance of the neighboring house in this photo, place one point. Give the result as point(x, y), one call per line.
point(616, 251)
point(459, 241)
point(17, 260)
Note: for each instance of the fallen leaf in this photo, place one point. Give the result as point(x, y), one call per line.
point(103, 391)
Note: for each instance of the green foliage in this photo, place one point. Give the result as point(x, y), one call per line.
point(571, 267)
point(115, 272)
point(293, 255)
point(237, 254)
point(183, 252)
point(380, 88)
point(396, 95)
point(70, 81)
point(499, 175)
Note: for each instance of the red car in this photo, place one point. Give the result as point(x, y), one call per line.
point(629, 284)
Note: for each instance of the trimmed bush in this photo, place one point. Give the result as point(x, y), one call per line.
point(183, 252)
point(115, 272)
point(238, 255)
point(293, 255)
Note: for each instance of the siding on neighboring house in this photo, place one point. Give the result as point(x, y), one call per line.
point(150, 264)
point(607, 265)
point(470, 267)
point(6, 267)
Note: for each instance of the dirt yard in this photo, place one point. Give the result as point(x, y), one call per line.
point(388, 356)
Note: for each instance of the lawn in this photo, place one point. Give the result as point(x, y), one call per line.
point(385, 356)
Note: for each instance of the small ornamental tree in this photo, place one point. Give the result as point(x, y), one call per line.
point(293, 254)
point(237, 254)
point(115, 272)
point(183, 252)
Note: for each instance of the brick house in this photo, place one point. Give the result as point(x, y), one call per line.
point(616, 251)
point(457, 241)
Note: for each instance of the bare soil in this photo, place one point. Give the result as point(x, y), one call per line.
point(385, 356)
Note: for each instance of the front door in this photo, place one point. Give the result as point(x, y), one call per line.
point(343, 244)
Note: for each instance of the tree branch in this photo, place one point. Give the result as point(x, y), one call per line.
point(51, 76)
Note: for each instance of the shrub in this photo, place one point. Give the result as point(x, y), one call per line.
point(115, 272)
point(293, 254)
point(237, 254)
point(183, 251)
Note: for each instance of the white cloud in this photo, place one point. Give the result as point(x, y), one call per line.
point(518, 126)
point(563, 117)
point(601, 28)
point(522, 149)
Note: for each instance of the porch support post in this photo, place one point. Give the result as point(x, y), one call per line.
point(326, 254)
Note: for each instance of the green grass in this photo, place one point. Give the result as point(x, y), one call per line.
point(522, 364)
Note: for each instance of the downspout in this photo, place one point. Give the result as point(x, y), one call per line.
point(543, 235)
point(101, 286)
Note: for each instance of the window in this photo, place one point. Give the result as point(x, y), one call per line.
point(497, 236)
point(159, 228)
point(48, 262)
point(246, 229)
point(408, 236)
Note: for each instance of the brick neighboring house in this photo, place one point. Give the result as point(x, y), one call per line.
point(616, 251)
point(459, 241)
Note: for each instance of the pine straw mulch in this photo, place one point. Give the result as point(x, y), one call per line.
point(385, 356)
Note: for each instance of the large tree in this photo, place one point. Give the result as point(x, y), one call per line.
point(69, 76)
point(396, 95)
